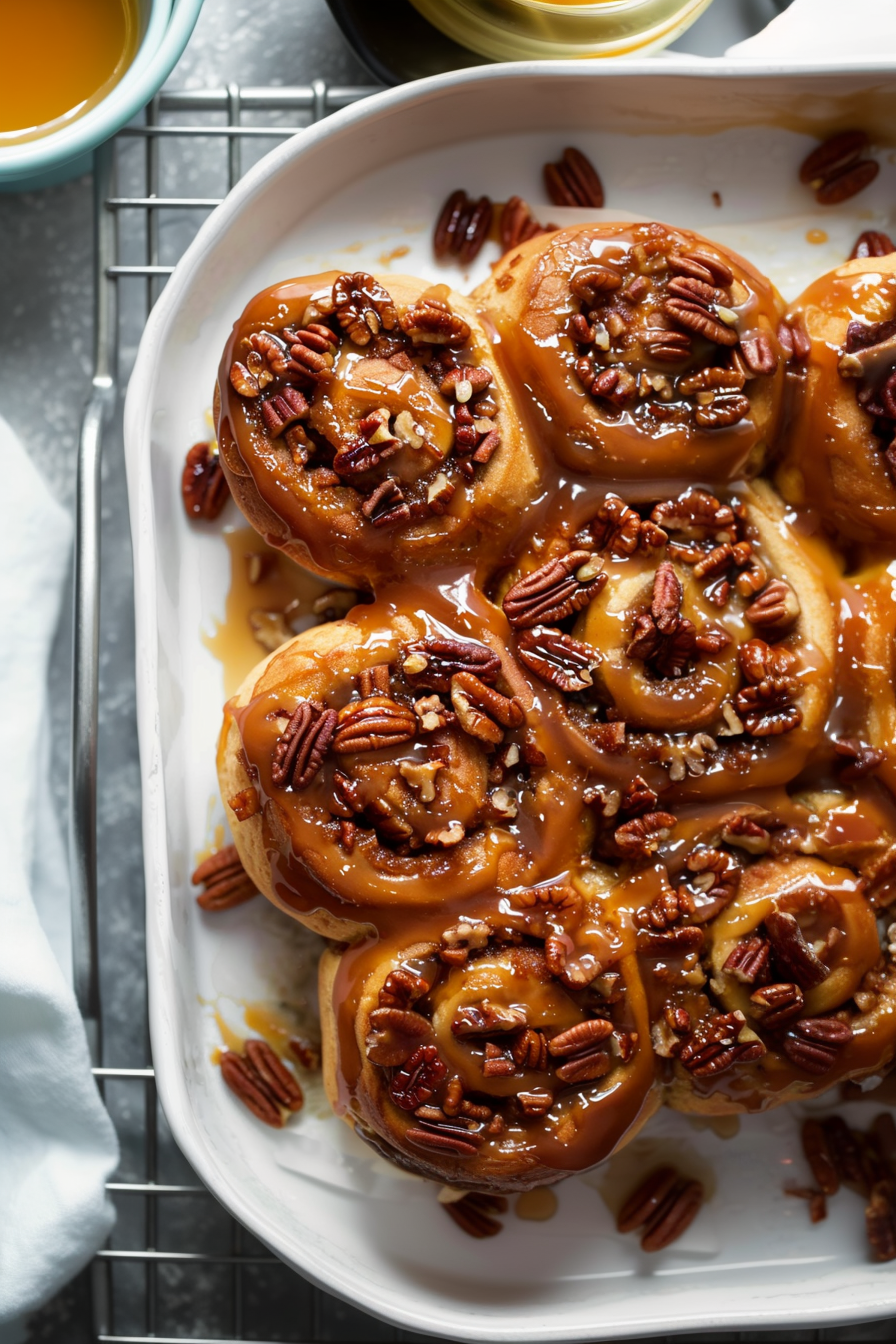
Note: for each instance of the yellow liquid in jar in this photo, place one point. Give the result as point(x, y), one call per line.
point(59, 58)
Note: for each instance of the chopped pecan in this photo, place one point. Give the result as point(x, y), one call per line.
point(300, 749)
point(361, 455)
point(283, 409)
point(401, 988)
point(716, 1046)
point(204, 487)
point(312, 351)
point(432, 322)
point(775, 608)
point(394, 1035)
point(715, 877)
point(473, 1214)
point(432, 662)
point(777, 1004)
point(373, 723)
point(417, 1079)
point(748, 960)
point(385, 506)
point(818, 1154)
point(363, 308)
point(432, 714)
point(872, 243)
point(496, 1063)
point(481, 710)
point(856, 759)
point(880, 1220)
point(461, 939)
point(573, 180)
point(642, 836)
point(225, 880)
point(622, 531)
point(535, 1103)
point(615, 384)
point(462, 227)
point(697, 516)
point(245, 804)
point(558, 659)
point(530, 1050)
point(554, 591)
point(487, 1019)
point(791, 951)
point(814, 1043)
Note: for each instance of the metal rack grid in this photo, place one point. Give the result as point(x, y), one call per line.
point(294, 107)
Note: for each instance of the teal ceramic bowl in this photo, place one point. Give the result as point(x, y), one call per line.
point(67, 152)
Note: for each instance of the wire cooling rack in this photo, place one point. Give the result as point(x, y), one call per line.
point(178, 1267)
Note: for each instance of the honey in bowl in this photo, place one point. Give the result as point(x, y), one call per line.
point(85, 46)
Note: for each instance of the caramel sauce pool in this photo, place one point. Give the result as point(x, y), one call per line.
point(59, 59)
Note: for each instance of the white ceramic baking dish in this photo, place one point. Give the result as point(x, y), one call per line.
point(351, 192)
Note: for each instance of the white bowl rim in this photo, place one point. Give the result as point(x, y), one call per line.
point(137, 436)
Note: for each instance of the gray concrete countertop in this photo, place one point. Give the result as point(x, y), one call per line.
point(46, 304)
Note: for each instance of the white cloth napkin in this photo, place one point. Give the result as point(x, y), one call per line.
point(57, 1144)
point(826, 30)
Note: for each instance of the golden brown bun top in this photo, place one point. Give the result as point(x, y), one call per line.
point(836, 458)
point(648, 350)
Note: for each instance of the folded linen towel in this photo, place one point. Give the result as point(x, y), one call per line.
point(57, 1144)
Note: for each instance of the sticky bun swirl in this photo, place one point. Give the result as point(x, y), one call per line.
point(507, 1052)
point(692, 639)
point(840, 456)
point(761, 935)
point(384, 764)
point(367, 430)
point(641, 350)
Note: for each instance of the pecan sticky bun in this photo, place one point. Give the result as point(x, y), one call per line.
point(507, 1052)
point(691, 640)
point(840, 455)
point(648, 350)
point(388, 763)
point(366, 429)
point(763, 946)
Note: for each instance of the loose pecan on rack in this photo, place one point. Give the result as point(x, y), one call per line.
point(573, 180)
point(836, 170)
point(462, 227)
point(225, 880)
point(554, 591)
point(301, 747)
point(662, 1208)
point(204, 487)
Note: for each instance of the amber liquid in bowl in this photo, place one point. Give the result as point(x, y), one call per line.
point(60, 58)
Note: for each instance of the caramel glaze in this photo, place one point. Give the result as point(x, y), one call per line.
point(813, 855)
point(486, 998)
point(824, 843)
point(455, 500)
point(834, 461)
point(642, 429)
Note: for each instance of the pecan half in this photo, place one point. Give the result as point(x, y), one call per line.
point(203, 486)
point(856, 759)
point(748, 960)
point(247, 1084)
point(481, 710)
point(665, 1205)
point(573, 180)
point(643, 1203)
point(880, 1220)
point(417, 1079)
point(814, 1043)
point(758, 353)
point(702, 266)
point(312, 351)
point(715, 1046)
point(372, 724)
point(394, 1035)
point(432, 662)
point(776, 1004)
point(363, 308)
point(697, 516)
point(844, 185)
point(462, 227)
point(792, 952)
point(473, 1214)
point(558, 659)
point(832, 156)
point(554, 591)
point(283, 409)
point(622, 531)
point(775, 609)
point(486, 1019)
point(642, 836)
point(872, 243)
point(300, 749)
point(225, 880)
point(695, 318)
point(583, 1036)
point(432, 322)
point(401, 988)
point(274, 1074)
point(818, 1154)
point(385, 506)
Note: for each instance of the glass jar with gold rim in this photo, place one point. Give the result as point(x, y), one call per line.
point(508, 30)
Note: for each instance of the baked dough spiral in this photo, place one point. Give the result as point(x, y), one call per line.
point(366, 429)
point(840, 457)
point(508, 1052)
point(641, 351)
